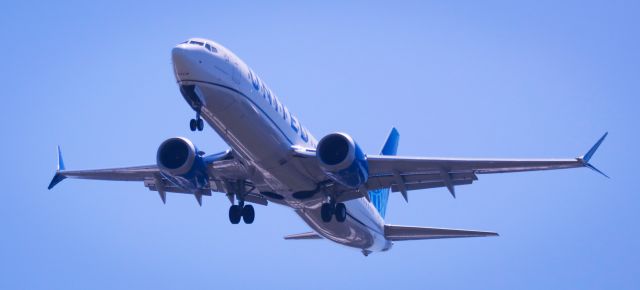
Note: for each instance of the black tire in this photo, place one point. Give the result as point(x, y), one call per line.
point(193, 124)
point(341, 212)
point(235, 213)
point(200, 124)
point(326, 212)
point(248, 214)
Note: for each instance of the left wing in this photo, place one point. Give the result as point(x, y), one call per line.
point(403, 174)
point(152, 179)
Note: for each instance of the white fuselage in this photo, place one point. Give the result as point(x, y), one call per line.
point(261, 130)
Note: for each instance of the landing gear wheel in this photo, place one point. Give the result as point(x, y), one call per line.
point(235, 213)
point(200, 124)
point(248, 214)
point(341, 212)
point(326, 212)
point(193, 124)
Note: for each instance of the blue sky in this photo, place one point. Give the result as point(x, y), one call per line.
point(470, 79)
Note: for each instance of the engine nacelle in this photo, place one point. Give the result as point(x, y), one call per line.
point(180, 163)
point(343, 160)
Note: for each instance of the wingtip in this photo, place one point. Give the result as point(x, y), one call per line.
point(588, 165)
point(586, 157)
point(57, 178)
point(60, 160)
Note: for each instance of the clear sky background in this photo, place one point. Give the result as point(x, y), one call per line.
point(470, 79)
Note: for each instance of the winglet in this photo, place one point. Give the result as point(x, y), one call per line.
point(58, 177)
point(585, 158)
point(60, 161)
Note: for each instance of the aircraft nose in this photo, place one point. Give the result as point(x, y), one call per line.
point(179, 56)
point(182, 62)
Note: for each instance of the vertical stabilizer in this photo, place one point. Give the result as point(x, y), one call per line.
point(380, 197)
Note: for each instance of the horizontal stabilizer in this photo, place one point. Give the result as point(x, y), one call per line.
point(303, 236)
point(405, 233)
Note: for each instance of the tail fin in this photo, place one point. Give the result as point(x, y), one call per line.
point(380, 197)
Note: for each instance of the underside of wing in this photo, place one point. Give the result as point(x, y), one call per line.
point(137, 173)
point(403, 174)
point(222, 171)
point(406, 233)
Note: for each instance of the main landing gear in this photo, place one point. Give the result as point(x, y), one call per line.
point(197, 123)
point(330, 209)
point(241, 211)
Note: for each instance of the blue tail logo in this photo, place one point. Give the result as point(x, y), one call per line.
point(380, 197)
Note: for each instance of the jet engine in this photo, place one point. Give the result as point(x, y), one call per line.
point(342, 160)
point(180, 163)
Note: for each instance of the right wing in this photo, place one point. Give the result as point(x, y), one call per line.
point(403, 174)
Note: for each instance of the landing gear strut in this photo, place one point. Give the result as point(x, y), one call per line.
point(197, 123)
point(241, 211)
point(329, 209)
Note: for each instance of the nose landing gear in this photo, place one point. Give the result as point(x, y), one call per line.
point(197, 123)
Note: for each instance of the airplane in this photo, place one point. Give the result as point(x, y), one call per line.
point(340, 192)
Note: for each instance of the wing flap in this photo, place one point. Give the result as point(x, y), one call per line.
point(136, 173)
point(426, 185)
point(379, 165)
point(406, 233)
point(408, 178)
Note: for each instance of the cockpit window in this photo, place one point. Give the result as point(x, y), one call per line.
point(211, 48)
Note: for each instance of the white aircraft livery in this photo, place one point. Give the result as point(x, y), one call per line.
point(337, 189)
